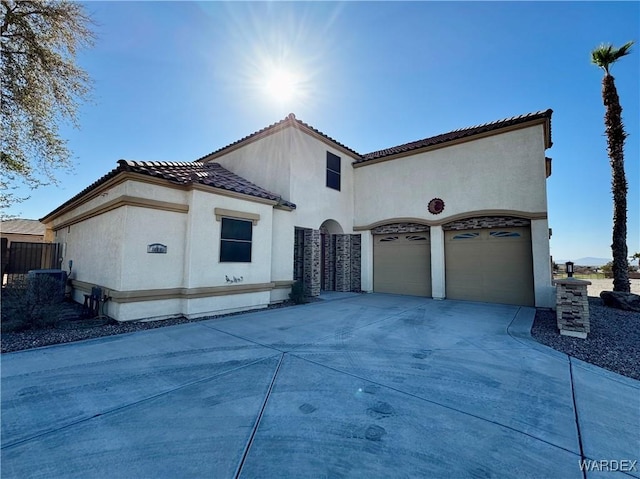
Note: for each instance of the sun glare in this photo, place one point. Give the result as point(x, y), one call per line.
point(282, 85)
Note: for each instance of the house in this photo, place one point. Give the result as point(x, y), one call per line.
point(462, 215)
point(27, 237)
point(22, 230)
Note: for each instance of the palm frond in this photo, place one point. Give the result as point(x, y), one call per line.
point(606, 55)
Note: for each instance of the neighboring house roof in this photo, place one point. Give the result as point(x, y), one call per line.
point(463, 133)
point(183, 173)
point(290, 120)
point(22, 227)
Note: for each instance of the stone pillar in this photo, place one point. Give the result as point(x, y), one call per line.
point(572, 307)
point(343, 263)
point(312, 259)
point(329, 262)
point(356, 263)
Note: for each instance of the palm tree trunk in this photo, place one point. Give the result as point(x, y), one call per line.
point(615, 145)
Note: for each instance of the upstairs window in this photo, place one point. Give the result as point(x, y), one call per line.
point(235, 241)
point(333, 171)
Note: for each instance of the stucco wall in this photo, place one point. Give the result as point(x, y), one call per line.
point(505, 171)
point(95, 245)
point(316, 202)
point(282, 252)
point(143, 227)
point(204, 267)
point(90, 204)
point(264, 162)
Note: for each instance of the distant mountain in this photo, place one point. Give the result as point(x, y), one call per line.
point(588, 261)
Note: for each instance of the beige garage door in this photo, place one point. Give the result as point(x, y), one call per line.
point(402, 264)
point(492, 265)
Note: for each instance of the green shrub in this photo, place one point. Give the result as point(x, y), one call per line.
point(297, 293)
point(31, 303)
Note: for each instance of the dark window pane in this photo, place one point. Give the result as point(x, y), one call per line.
point(333, 162)
point(235, 252)
point(236, 229)
point(333, 180)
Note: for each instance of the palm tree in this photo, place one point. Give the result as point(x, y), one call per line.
point(604, 56)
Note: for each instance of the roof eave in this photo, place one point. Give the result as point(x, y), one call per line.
point(289, 122)
point(544, 120)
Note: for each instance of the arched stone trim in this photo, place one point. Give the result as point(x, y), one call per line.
point(449, 219)
point(400, 228)
point(331, 227)
point(482, 222)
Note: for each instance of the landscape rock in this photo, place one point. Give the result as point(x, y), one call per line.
point(621, 300)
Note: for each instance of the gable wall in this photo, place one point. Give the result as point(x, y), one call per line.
point(264, 162)
point(315, 202)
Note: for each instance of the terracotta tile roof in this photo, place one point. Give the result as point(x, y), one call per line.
point(185, 173)
point(210, 174)
point(290, 120)
point(459, 134)
point(23, 227)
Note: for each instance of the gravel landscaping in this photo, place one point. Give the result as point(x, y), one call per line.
point(72, 328)
point(614, 341)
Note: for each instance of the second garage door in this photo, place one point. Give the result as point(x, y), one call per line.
point(490, 265)
point(402, 264)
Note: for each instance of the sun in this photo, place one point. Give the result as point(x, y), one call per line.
point(282, 85)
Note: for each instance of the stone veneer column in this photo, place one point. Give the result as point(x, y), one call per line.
point(329, 262)
point(356, 262)
point(312, 259)
point(572, 307)
point(343, 263)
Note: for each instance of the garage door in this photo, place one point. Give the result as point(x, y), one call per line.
point(491, 265)
point(402, 264)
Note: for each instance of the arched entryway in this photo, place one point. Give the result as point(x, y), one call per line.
point(327, 258)
point(328, 231)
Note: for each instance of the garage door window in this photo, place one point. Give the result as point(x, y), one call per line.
point(504, 234)
point(464, 236)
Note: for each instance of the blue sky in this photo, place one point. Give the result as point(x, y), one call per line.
point(177, 80)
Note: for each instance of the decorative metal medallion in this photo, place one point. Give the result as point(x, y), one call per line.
point(157, 248)
point(436, 206)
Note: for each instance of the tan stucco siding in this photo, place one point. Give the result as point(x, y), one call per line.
point(499, 172)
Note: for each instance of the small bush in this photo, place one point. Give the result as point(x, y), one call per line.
point(297, 293)
point(31, 303)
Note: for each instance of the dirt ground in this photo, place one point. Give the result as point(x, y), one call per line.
point(598, 285)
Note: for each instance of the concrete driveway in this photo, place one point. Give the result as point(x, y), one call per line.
point(359, 386)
